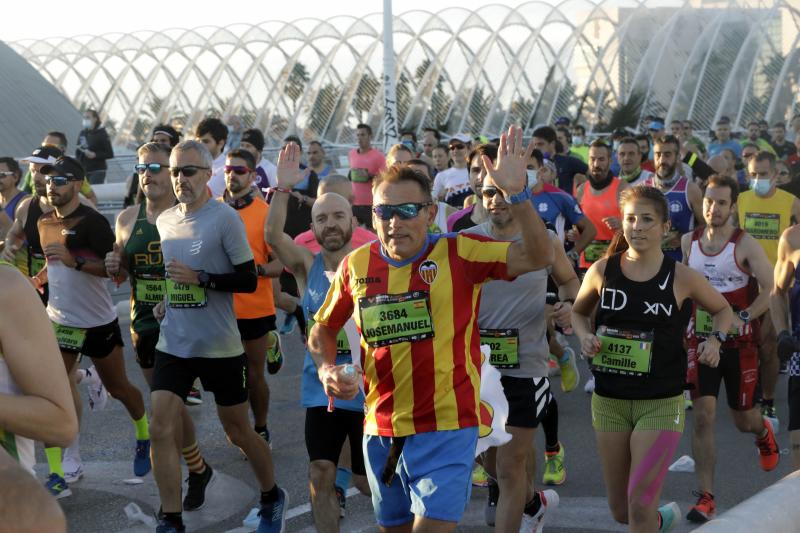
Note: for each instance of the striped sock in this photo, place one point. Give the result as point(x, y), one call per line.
point(194, 460)
point(54, 460)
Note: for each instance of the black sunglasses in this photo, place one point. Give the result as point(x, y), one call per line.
point(490, 192)
point(457, 146)
point(154, 168)
point(237, 169)
point(404, 211)
point(188, 170)
point(58, 181)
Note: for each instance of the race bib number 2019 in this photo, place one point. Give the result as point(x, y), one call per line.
point(763, 226)
point(393, 318)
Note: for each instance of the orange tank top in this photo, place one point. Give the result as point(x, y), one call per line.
point(596, 207)
point(260, 303)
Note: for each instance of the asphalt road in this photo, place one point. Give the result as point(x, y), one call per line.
point(107, 442)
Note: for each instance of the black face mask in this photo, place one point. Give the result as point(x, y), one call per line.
point(601, 184)
point(241, 203)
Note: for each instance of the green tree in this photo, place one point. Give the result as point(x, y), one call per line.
point(296, 84)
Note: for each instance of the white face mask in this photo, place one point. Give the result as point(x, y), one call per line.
point(616, 144)
point(760, 186)
point(577, 139)
point(87, 123)
point(533, 178)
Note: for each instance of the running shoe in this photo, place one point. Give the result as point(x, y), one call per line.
point(588, 388)
point(273, 515)
point(704, 510)
point(552, 366)
point(570, 375)
point(769, 412)
point(341, 497)
point(165, 527)
point(274, 354)
point(196, 489)
point(98, 395)
point(289, 322)
point(554, 471)
point(265, 435)
point(670, 516)
point(194, 397)
point(57, 486)
point(490, 511)
point(141, 461)
point(479, 476)
point(768, 452)
point(535, 523)
point(73, 470)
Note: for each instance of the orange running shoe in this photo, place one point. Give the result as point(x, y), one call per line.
point(768, 452)
point(704, 510)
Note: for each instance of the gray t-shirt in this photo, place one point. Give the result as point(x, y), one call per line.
point(212, 239)
point(519, 305)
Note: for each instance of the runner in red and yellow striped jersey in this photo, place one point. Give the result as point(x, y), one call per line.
point(414, 298)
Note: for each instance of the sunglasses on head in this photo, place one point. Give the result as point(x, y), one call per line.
point(58, 181)
point(188, 170)
point(457, 146)
point(237, 169)
point(490, 192)
point(154, 168)
point(404, 211)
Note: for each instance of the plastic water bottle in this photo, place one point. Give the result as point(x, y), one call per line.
point(135, 513)
point(349, 372)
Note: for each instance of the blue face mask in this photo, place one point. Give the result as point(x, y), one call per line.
point(760, 186)
point(533, 178)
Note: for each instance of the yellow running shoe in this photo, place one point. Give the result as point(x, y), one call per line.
point(479, 476)
point(570, 375)
point(554, 471)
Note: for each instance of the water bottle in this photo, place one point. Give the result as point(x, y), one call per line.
point(349, 372)
point(135, 513)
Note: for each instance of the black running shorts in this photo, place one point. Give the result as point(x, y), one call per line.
point(226, 377)
point(528, 399)
point(325, 434)
point(255, 328)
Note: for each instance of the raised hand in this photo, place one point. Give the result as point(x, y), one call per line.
point(509, 170)
point(289, 173)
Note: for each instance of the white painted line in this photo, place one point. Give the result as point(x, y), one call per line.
point(294, 512)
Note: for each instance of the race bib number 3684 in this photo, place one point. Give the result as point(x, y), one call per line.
point(393, 318)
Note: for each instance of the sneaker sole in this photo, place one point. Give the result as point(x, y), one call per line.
point(73, 479)
point(63, 494)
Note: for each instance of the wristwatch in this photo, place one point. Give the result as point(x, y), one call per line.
point(79, 262)
point(744, 316)
point(203, 278)
point(720, 336)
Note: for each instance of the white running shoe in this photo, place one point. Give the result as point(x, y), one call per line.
point(589, 387)
point(98, 395)
point(73, 469)
point(535, 524)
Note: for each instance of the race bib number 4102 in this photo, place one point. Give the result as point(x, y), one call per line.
point(393, 318)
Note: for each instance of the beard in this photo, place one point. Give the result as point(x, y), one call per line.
point(665, 171)
point(333, 240)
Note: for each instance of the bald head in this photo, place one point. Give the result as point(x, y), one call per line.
point(718, 163)
point(332, 221)
point(338, 184)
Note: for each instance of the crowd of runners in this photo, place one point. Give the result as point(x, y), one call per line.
point(663, 259)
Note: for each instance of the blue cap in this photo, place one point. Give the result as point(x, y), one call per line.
point(656, 125)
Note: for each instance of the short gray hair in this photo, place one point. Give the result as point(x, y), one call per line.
point(197, 146)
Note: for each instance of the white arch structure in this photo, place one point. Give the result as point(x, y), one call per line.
point(457, 70)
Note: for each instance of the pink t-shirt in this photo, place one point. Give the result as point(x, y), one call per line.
point(364, 167)
point(360, 236)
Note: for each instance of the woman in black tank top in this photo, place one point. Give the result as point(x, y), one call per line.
point(642, 300)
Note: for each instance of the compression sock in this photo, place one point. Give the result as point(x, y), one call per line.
point(550, 425)
point(54, 460)
point(301, 320)
point(194, 459)
point(270, 496)
point(175, 519)
point(142, 428)
point(343, 476)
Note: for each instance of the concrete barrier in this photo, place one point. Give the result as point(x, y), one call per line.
point(774, 510)
point(110, 193)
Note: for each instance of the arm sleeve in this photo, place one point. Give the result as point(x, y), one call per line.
point(483, 258)
point(698, 166)
point(338, 305)
point(242, 279)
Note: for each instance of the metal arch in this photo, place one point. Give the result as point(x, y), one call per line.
point(782, 76)
point(718, 25)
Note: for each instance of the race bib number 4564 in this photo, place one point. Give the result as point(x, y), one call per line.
point(393, 318)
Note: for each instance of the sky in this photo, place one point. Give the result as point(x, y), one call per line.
point(80, 17)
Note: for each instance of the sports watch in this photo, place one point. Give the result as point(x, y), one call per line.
point(203, 278)
point(720, 336)
point(79, 262)
point(744, 315)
